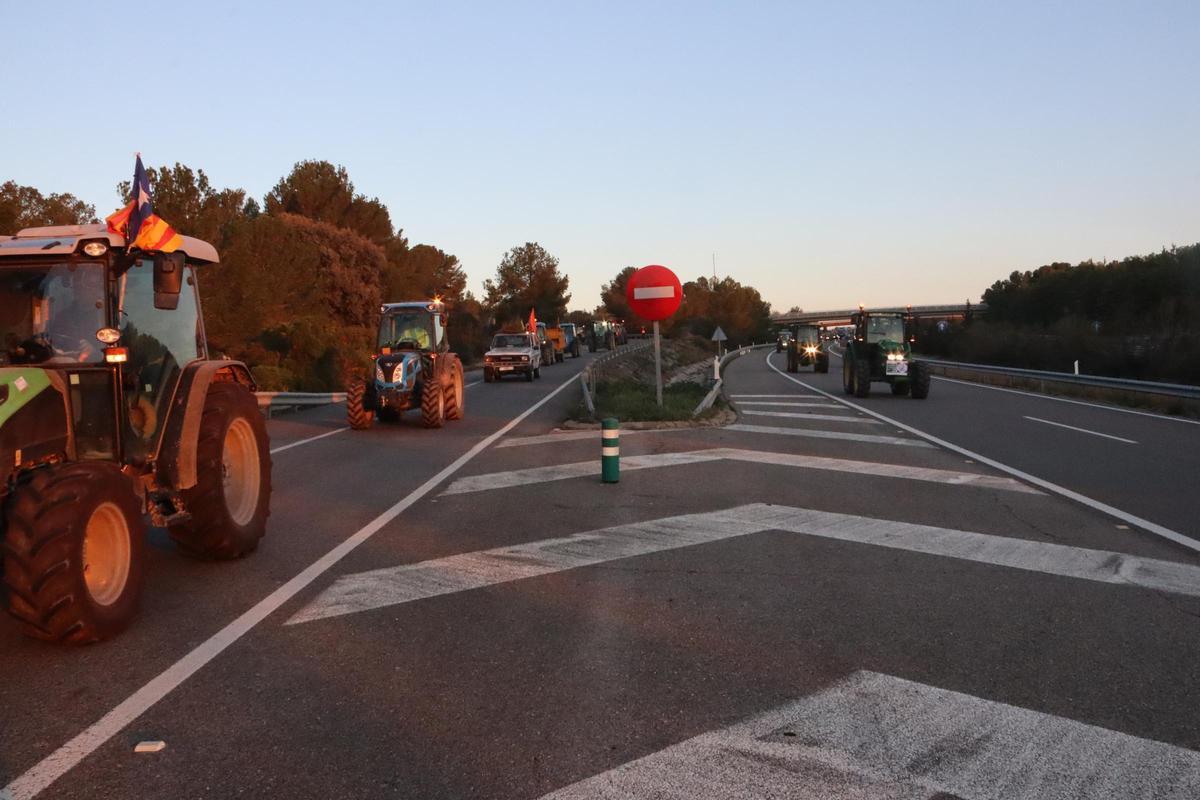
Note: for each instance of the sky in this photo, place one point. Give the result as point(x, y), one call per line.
point(827, 154)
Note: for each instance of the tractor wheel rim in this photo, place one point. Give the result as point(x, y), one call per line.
point(106, 554)
point(240, 471)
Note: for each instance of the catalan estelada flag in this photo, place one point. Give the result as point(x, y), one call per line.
point(138, 223)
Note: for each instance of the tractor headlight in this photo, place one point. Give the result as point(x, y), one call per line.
point(895, 356)
point(398, 373)
point(810, 350)
point(379, 374)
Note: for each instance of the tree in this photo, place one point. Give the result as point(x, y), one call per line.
point(319, 190)
point(188, 202)
point(613, 295)
point(739, 310)
point(26, 207)
point(422, 272)
point(528, 277)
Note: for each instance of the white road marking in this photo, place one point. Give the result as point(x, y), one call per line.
point(69, 755)
point(792, 396)
point(351, 594)
point(1102, 406)
point(1081, 430)
point(779, 403)
point(877, 737)
point(815, 434)
point(805, 415)
point(1112, 511)
point(571, 436)
point(653, 292)
point(472, 383)
point(535, 476)
point(281, 448)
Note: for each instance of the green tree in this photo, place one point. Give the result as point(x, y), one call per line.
point(188, 202)
point(319, 190)
point(528, 277)
point(421, 272)
point(26, 207)
point(739, 310)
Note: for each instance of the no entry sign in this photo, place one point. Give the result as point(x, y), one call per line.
point(654, 293)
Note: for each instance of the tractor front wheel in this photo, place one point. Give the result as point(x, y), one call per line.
point(454, 393)
point(433, 403)
point(822, 364)
point(231, 500)
point(862, 378)
point(357, 414)
point(847, 374)
point(73, 545)
point(919, 378)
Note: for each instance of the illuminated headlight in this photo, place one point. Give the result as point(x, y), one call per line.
point(108, 335)
point(489, 359)
point(398, 373)
point(524, 358)
point(810, 350)
point(895, 356)
point(379, 374)
point(95, 249)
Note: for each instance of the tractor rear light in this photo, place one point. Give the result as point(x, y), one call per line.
point(116, 355)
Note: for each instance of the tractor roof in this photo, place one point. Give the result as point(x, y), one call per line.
point(418, 305)
point(63, 240)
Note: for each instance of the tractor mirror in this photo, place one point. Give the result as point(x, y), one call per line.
point(168, 280)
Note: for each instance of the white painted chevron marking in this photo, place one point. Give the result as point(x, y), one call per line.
point(877, 737)
point(811, 433)
point(536, 476)
point(806, 415)
point(411, 582)
point(572, 436)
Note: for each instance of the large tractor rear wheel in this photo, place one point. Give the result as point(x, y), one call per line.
point(232, 497)
point(918, 376)
point(358, 414)
point(455, 396)
point(231, 500)
point(73, 545)
point(862, 378)
point(433, 403)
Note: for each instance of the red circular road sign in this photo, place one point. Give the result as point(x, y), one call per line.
point(654, 293)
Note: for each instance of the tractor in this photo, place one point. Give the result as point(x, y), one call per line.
point(881, 350)
point(572, 335)
point(600, 334)
point(804, 348)
point(413, 368)
point(111, 411)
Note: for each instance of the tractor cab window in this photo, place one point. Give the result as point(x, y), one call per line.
point(161, 342)
point(408, 330)
point(49, 314)
point(885, 329)
point(808, 335)
point(439, 332)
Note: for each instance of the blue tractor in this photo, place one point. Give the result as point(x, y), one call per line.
point(414, 368)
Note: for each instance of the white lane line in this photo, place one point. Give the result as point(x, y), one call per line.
point(792, 396)
point(407, 583)
point(772, 430)
point(281, 448)
point(571, 436)
point(536, 476)
point(69, 755)
point(782, 404)
point(806, 415)
point(877, 737)
point(1112, 511)
point(1081, 430)
point(1101, 406)
point(472, 383)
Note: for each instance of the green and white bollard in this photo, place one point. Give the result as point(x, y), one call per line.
point(610, 452)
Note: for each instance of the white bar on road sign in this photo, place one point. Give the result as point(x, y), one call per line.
point(653, 292)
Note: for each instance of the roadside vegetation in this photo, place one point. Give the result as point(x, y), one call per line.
point(1135, 318)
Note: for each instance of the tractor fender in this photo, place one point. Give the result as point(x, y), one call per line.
point(181, 436)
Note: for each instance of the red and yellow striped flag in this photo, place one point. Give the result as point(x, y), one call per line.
point(149, 231)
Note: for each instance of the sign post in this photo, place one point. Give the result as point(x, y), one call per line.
point(654, 293)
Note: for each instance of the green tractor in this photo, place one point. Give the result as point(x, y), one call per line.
point(881, 350)
point(414, 368)
point(804, 348)
point(111, 411)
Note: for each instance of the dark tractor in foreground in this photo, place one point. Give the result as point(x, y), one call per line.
point(804, 349)
point(112, 411)
point(881, 350)
point(414, 368)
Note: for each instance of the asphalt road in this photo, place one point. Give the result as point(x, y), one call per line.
point(808, 603)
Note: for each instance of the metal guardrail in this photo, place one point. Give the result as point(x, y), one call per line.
point(1096, 381)
point(269, 402)
point(588, 377)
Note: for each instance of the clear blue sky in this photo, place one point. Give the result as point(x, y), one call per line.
point(828, 153)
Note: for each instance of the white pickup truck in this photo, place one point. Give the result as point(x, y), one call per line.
point(513, 354)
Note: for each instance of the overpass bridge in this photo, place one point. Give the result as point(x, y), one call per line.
point(830, 319)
